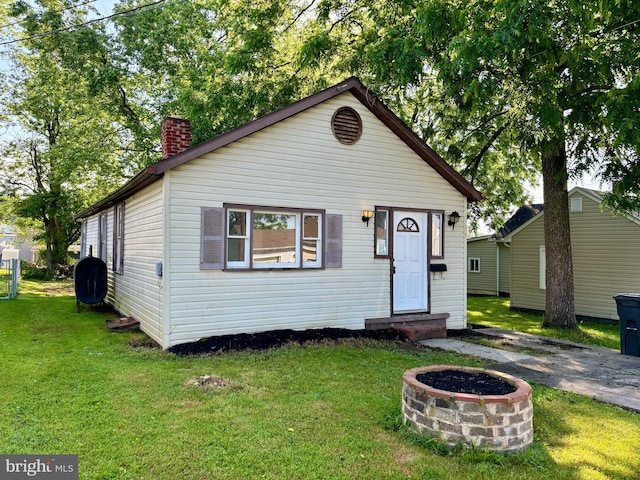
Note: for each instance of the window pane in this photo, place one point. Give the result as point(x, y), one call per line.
point(310, 241)
point(237, 223)
point(311, 223)
point(236, 249)
point(436, 234)
point(274, 239)
point(310, 251)
point(382, 232)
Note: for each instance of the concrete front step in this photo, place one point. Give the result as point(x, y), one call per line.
point(417, 332)
point(409, 319)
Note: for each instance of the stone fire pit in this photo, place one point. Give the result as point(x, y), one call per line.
point(495, 422)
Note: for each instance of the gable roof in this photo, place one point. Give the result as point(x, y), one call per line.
point(594, 195)
point(352, 85)
point(522, 215)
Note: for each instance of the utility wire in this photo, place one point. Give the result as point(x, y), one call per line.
point(20, 22)
point(84, 24)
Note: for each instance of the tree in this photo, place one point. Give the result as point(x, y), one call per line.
point(66, 150)
point(522, 85)
point(219, 64)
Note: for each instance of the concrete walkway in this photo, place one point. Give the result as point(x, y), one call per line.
point(600, 373)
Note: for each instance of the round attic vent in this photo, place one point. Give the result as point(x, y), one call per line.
point(346, 125)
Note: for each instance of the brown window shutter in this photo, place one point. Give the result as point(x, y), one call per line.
point(334, 241)
point(212, 238)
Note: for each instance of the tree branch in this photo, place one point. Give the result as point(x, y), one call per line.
point(485, 121)
point(302, 12)
point(473, 166)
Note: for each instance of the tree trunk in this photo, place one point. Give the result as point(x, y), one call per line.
point(560, 306)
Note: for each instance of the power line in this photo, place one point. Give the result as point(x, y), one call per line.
point(84, 24)
point(20, 22)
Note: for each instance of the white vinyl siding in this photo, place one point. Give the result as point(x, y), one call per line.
point(91, 241)
point(143, 249)
point(298, 163)
point(137, 292)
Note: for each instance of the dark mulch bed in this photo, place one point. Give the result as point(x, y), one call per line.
point(277, 338)
point(466, 382)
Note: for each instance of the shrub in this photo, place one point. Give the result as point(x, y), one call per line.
point(31, 271)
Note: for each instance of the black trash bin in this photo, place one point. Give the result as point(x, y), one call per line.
point(629, 313)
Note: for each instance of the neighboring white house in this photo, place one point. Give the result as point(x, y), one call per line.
point(266, 228)
point(14, 245)
point(605, 252)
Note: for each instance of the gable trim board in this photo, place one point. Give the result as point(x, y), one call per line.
point(291, 161)
point(605, 258)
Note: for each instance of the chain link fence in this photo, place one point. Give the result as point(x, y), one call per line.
point(9, 275)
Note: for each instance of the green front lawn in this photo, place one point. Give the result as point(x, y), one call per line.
point(320, 411)
point(494, 311)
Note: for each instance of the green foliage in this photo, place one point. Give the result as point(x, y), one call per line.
point(70, 134)
point(31, 271)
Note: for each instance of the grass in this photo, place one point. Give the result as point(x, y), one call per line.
point(5, 282)
point(494, 311)
point(318, 411)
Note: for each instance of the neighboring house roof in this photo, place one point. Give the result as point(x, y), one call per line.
point(352, 85)
point(522, 215)
point(594, 195)
point(482, 237)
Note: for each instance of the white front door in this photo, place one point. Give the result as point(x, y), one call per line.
point(410, 262)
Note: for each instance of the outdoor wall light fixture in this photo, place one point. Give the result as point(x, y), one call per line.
point(454, 217)
point(366, 216)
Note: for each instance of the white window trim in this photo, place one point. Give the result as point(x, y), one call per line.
point(381, 244)
point(470, 265)
point(318, 239)
point(102, 237)
point(248, 262)
point(247, 228)
point(437, 247)
point(118, 238)
point(575, 205)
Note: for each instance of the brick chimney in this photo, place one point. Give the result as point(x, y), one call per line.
point(175, 136)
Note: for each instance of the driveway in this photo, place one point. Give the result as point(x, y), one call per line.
point(601, 373)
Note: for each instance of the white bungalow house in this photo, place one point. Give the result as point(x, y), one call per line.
point(330, 212)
